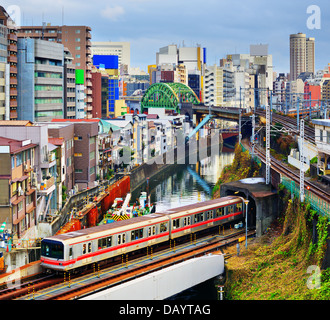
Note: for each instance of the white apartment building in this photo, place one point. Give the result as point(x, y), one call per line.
point(120, 49)
point(213, 86)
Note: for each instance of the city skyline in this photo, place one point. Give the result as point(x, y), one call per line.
point(223, 28)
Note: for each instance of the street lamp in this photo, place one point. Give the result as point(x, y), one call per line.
point(246, 211)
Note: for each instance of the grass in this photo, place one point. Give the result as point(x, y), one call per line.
point(275, 266)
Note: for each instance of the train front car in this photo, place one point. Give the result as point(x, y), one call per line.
point(52, 254)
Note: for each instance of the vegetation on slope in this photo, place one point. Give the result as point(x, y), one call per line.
point(281, 264)
point(242, 167)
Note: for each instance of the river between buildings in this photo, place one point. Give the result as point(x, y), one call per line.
point(187, 184)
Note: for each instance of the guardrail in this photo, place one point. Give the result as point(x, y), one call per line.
point(316, 203)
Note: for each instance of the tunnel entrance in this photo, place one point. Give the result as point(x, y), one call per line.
point(263, 203)
point(251, 212)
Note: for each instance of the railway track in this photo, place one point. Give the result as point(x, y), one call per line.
point(278, 166)
point(98, 280)
point(290, 124)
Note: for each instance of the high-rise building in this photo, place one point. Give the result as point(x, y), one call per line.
point(310, 55)
point(302, 56)
point(78, 40)
point(8, 61)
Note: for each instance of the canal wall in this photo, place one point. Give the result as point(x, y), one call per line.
point(190, 154)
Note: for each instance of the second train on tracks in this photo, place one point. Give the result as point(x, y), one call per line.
point(77, 249)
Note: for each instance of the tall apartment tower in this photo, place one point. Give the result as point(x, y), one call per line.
point(302, 56)
point(8, 60)
point(78, 41)
point(310, 55)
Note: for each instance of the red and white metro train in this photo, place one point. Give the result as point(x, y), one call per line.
point(80, 248)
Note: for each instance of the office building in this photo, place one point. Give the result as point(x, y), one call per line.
point(78, 41)
point(40, 85)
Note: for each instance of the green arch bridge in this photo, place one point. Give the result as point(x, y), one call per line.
point(168, 95)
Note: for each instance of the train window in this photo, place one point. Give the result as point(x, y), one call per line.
point(109, 242)
point(163, 227)
point(149, 231)
point(154, 230)
point(119, 238)
point(84, 248)
point(89, 247)
point(239, 207)
point(124, 238)
point(202, 216)
point(52, 249)
point(137, 234)
point(70, 252)
point(176, 223)
point(230, 209)
point(188, 221)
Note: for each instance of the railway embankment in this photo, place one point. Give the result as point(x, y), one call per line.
point(290, 261)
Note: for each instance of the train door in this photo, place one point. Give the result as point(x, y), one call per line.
point(70, 252)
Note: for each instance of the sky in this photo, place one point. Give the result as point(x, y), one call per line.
point(221, 26)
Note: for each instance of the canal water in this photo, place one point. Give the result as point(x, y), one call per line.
point(186, 184)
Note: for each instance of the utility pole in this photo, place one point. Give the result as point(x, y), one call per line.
point(302, 174)
point(267, 144)
point(298, 102)
point(240, 117)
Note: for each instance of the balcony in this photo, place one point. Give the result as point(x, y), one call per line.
point(12, 36)
point(12, 58)
point(12, 47)
point(13, 92)
point(13, 80)
point(47, 186)
point(88, 43)
point(88, 35)
point(13, 103)
point(13, 114)
point(13, 70)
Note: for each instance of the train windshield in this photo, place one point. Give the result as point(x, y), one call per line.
point(52, 249)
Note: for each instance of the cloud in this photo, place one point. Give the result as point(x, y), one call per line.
point(113, 13)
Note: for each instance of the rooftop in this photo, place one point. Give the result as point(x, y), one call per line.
point(24, 123)
point(16, 146)
point(322, 122)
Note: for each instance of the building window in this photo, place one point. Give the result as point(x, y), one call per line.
point(77, 48)
point(78, 154)
point(92, 170)
point(78, 39)
point(20, 206)
point(18, 160)
point(92, 155)
point(78, 171)
point(77, 31)
point(77, 55)
point(78, 64)
point(13, 162)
